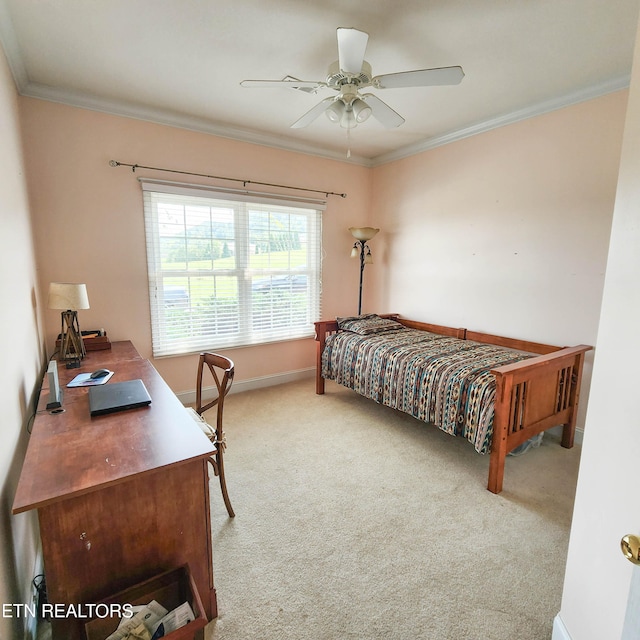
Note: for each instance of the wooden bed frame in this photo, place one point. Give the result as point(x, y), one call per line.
point(531, 396)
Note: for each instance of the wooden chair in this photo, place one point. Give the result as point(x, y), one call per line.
point(222, 370)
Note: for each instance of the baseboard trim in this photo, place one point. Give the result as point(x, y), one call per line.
point(189, 397)
point(559, 630)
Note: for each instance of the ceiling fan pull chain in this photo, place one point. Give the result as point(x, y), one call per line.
point(349, 142)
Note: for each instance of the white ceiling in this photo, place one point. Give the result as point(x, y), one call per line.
point(181, 62)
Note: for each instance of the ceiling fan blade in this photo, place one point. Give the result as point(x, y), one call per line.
point(420, 78)
point(289, 84)
point(310, 116)
point(382, 112)
point(351, 47)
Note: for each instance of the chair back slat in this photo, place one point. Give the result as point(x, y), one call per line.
point(221, 371)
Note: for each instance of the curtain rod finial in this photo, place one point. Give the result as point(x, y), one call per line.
point(114, 163)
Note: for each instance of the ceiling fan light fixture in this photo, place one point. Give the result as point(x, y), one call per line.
point(335, 111)
point(348, 120)
point(361, 110)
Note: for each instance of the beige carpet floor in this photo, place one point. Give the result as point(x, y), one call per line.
point(356, 522)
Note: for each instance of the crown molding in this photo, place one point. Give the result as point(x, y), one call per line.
point(595, 91)
point(202, 125)
point(172, 119)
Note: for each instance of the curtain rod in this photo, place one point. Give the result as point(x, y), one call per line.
point(115, 163)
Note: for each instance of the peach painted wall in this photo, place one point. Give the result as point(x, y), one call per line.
point(21, 346)
point(89, 221)
point(505, 232)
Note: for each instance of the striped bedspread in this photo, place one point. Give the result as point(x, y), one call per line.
point(437, 379)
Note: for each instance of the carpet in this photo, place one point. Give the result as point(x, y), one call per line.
point(354, 521)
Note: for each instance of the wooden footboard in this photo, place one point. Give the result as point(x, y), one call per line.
point(531, 395)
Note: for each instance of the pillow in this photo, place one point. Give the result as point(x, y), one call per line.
point(368, 324)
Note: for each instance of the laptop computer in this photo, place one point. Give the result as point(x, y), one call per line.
point(118, 396)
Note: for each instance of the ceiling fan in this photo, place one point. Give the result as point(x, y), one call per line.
point(349, 75)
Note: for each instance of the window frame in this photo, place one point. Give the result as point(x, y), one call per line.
point(241, 203)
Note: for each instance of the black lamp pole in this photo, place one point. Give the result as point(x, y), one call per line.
point(363, 245)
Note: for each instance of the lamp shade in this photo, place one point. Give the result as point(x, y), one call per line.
point(363, 233)
point(335, 111)
point(68, 295)
point(361, 110)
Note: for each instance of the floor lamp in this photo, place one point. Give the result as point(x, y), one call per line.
point(69, 297)
point(361, 248)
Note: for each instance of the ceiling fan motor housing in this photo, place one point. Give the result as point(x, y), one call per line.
point(337, 79)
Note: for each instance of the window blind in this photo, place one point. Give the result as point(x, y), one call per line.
point(229, 269)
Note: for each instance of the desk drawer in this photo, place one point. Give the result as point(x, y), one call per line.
point(170, 589)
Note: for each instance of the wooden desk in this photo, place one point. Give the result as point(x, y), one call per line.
point(120, 497)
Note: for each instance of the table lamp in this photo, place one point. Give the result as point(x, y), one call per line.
point(69, 297)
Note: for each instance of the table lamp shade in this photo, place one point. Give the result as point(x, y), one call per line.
point(68, 295)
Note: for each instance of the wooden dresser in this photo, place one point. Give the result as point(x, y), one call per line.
point(120, 497)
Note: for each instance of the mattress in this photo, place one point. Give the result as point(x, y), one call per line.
point(437, 379)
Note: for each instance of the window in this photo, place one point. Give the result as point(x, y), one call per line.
point(227, 269)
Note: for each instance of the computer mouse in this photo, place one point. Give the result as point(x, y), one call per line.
point(100, 373)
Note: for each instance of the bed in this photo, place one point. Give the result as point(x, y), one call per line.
point(496, 392)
